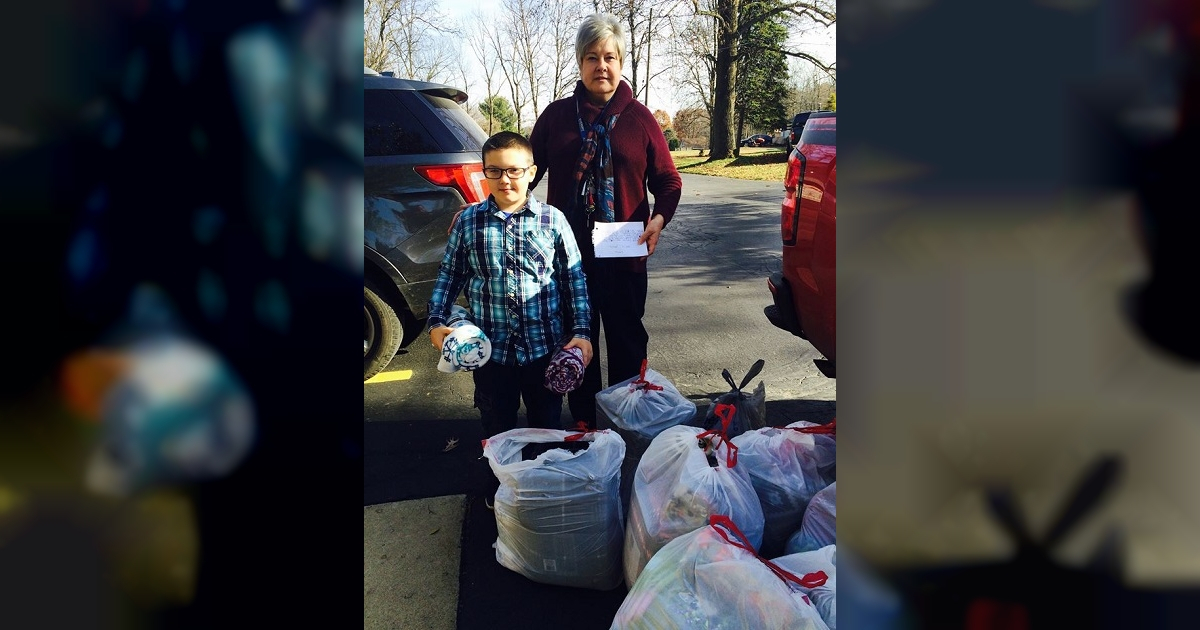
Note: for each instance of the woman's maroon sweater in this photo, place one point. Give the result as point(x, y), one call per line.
point(641, 161)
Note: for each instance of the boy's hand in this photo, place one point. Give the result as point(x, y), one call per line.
point(584, 346)
point(650, 237)
point(438, 335)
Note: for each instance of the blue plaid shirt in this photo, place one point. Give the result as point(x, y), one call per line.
point(523, 277)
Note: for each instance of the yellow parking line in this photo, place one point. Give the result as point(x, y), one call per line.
point(387, 377)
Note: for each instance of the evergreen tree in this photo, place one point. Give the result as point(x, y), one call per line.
point(762, 86)
point(498, 115)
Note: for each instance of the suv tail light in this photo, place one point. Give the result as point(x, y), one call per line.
point(792, 181)
point(467, 179)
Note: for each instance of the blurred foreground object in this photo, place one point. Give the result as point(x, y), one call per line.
point(1167, 34)
point(89, 374)
point(170, 409)
point(1032, 589)
point(176, 414)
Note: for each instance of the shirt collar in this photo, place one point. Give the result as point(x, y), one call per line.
point(531, 205)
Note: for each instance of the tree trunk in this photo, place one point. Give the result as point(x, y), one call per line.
point(741, 129)
point(721, 129)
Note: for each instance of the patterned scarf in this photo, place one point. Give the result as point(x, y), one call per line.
point(593, 170)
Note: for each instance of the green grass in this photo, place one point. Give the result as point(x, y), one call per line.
point(761, 164)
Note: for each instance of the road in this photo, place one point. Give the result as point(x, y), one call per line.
point(704, 314)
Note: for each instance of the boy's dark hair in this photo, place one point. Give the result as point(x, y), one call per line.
point(506, 140)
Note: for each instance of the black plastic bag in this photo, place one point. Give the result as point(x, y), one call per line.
point(750, 410)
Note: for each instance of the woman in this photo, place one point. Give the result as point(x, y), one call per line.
point(601, 152)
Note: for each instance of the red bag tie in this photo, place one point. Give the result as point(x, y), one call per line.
point(826, 429)
point(642, 383)
point(582, 427)
point(725, 413)
point(809, 580)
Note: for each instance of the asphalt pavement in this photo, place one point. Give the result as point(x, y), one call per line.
point(423, 478)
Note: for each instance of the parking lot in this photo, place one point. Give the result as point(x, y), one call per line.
point(704, 315)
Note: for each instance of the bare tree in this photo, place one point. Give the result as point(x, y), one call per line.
point(810, 89)
point(693, 47)
point(413, 37)
point(565, 16)
point(525, 48)
point(659, 26)
point(692, 126)
point(478, 38)
point(379, 20)
point(500, 45)
point(636, 16)
point(527, 29)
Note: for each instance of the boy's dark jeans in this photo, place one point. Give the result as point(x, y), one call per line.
point(499, 390)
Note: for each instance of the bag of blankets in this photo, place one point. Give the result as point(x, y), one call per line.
point(787, 467)
point(558, 516)
point(687, 475)
point(819, 527)
point(823, 596)
point(639, 409)
point(751, 409)
point(711, 577)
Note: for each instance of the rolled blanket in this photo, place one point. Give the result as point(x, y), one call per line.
point(465, 348)
point(565, 371)
point(458, 316)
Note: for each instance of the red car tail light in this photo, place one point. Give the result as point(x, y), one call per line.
point(791, 199)
point(467, 179)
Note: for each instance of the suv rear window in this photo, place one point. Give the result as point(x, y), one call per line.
point(390, 129)
point(458, 121)
point(820, 129)
point(397, 122)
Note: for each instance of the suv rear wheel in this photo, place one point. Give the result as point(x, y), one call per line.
point(382, 332)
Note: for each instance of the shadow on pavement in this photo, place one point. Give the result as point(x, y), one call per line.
point(415, 460)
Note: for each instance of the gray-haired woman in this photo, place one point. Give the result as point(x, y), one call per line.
point(601, 152)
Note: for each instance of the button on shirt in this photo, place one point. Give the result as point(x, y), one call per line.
point(519, 271)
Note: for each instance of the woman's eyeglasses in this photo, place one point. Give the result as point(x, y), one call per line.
point(495, 173)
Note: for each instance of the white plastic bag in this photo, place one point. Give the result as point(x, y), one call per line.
point(785, 468)
point(645, 404)
point(711, 578)
point(819, 527)
point(825, 443)
point(677, 487)
point(824, 596)
point(558, 516)
point(639, 409)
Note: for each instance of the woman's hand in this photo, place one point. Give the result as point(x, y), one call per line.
point(584, 346)
point(650, 237)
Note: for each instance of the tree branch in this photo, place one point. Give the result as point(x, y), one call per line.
point(827, 69)
point(814, 12)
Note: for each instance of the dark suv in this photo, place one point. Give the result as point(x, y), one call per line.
point(421, 164)
point(803, 294)
point(798, 125)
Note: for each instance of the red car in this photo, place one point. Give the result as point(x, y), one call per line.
point(804, 293)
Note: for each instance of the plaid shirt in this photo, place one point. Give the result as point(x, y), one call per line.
point(518, 270)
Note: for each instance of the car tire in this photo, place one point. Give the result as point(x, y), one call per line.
point(382, 332)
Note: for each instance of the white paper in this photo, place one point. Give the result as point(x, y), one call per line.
point(619, 239)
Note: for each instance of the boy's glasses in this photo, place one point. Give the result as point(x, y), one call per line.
point(495, 173)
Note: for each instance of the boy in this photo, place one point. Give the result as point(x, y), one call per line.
point(520, 265)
